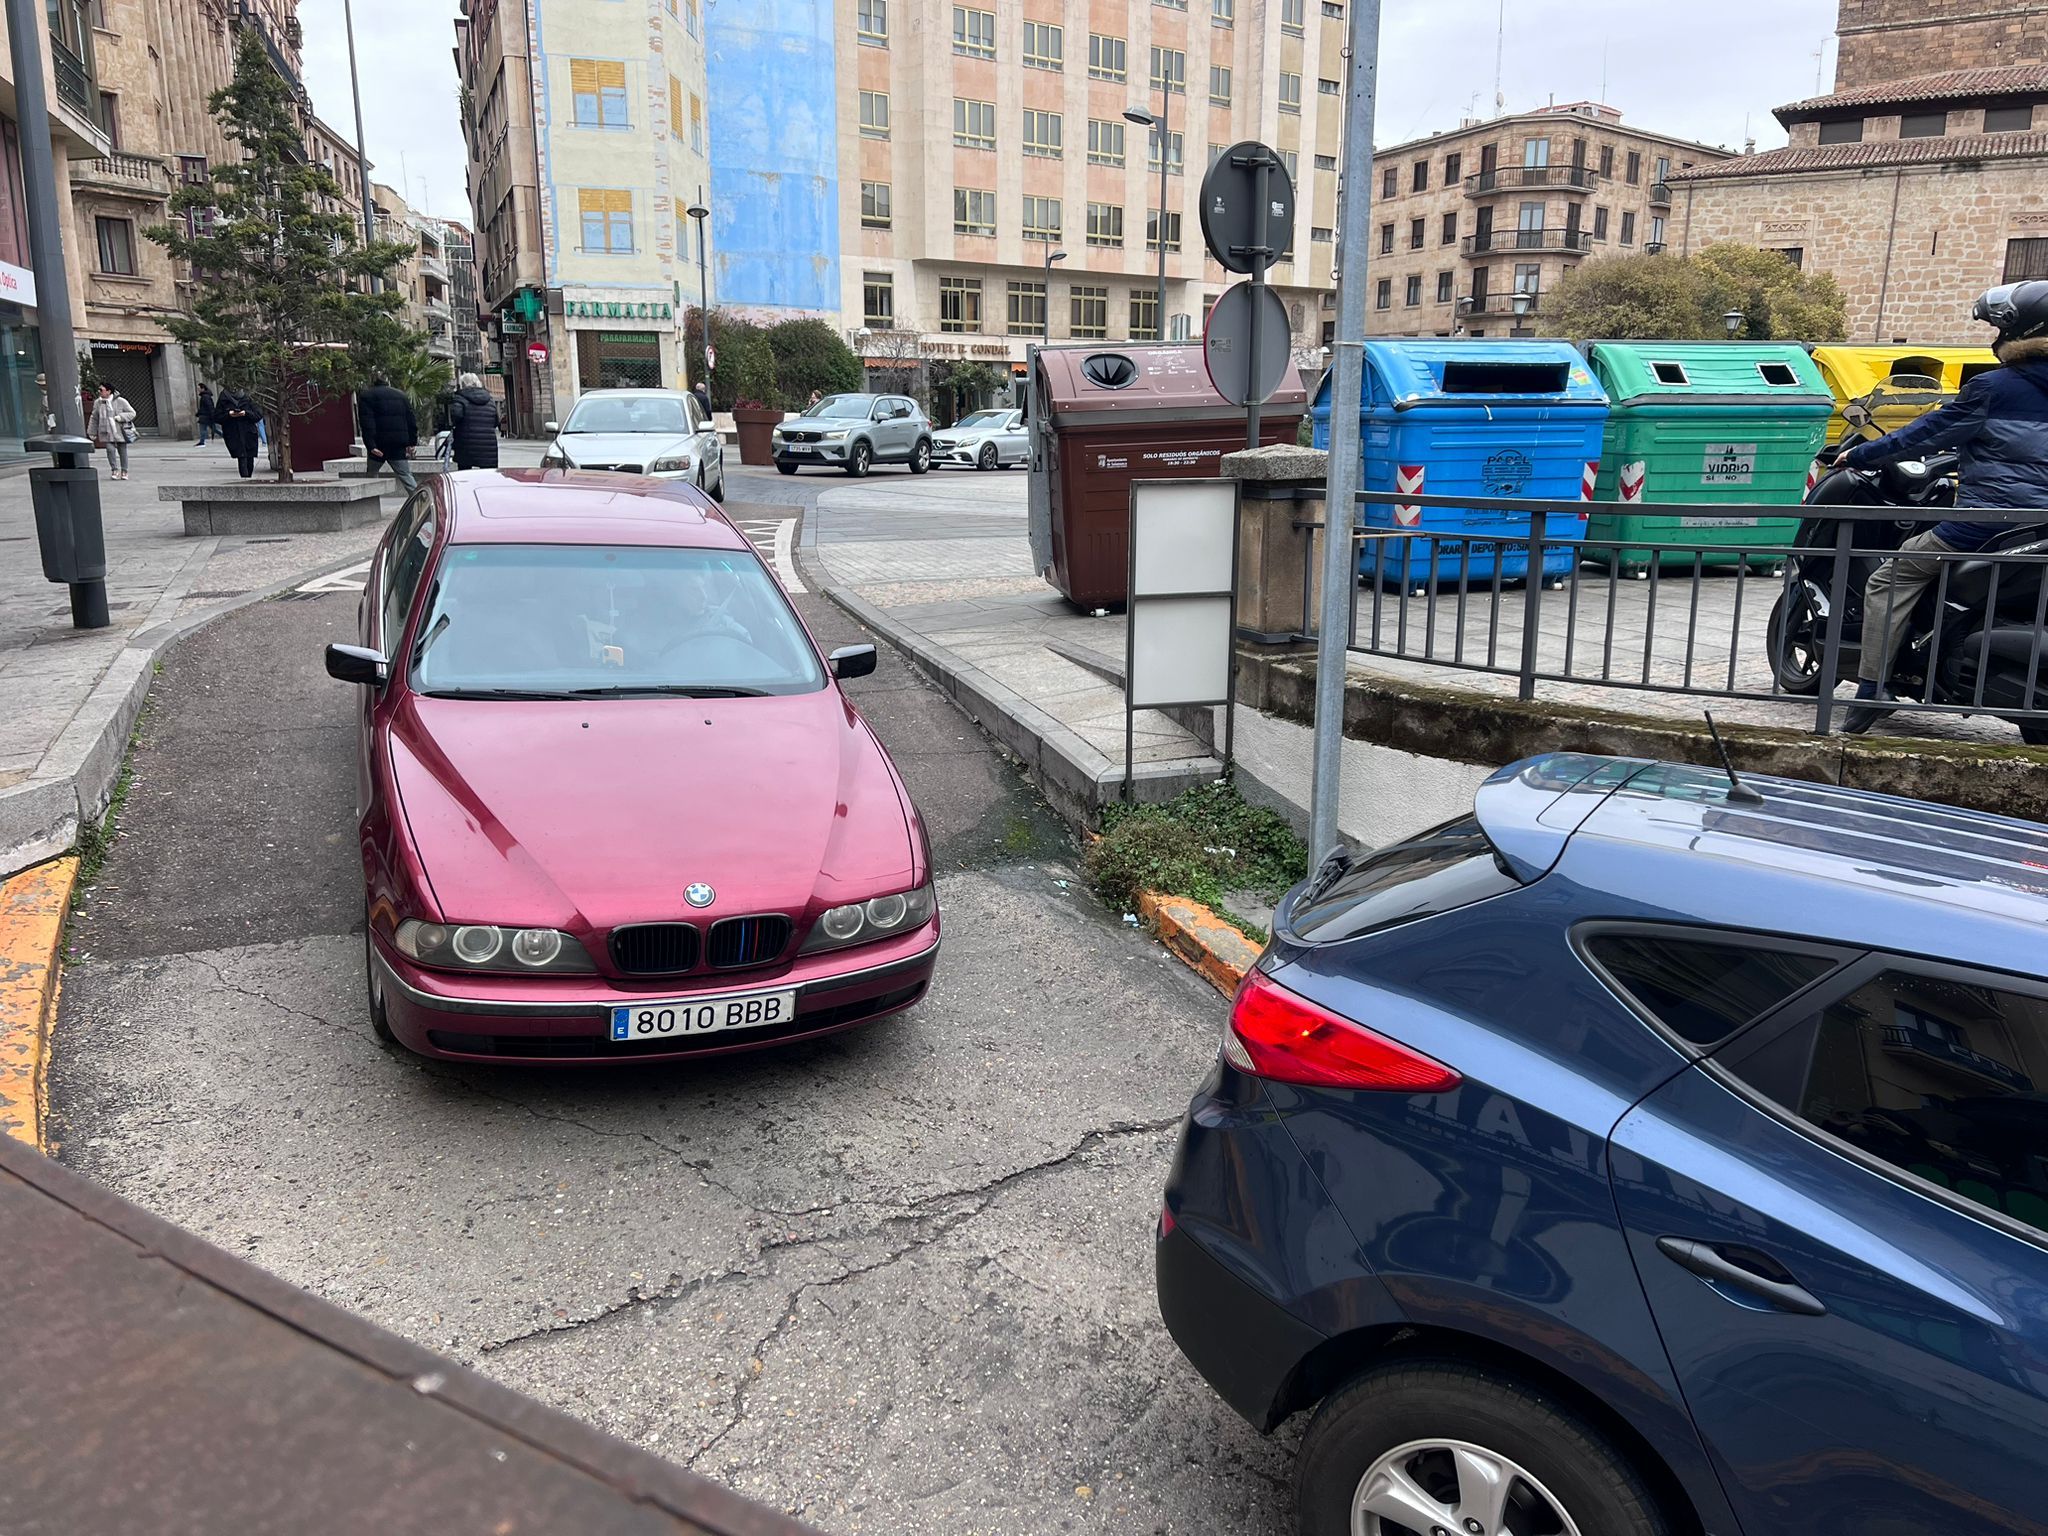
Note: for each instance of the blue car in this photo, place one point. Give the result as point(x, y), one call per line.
point(1644, 1153)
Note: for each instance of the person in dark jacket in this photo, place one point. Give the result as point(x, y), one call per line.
point(204, 415)
point(703, 399)
point(1998, 425)
point(237, 416)
point(473, 418)
point(389, 429)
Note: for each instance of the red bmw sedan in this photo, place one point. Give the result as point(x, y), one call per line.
point(613, 803)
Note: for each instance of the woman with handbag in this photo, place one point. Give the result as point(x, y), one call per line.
point(113, 428)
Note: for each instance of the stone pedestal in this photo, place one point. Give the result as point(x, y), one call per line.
point(1282, 485)
point(263, 506)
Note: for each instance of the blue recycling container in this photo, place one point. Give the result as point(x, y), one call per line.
point(1448, 416)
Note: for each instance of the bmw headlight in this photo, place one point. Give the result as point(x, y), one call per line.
point(487, 947)
point(677, 465)
point(861, 922)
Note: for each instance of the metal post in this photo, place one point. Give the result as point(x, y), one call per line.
point(1262, 175)
point(1165, 112)
point(1347, 388)
point(1831, 646)
point(1532, 605)
point(362, 153)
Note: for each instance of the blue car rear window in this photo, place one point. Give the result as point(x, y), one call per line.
point(1700, 989)
point(1448, 867)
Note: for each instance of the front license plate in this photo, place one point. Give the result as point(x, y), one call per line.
point(801, 448)
point(703, 1016)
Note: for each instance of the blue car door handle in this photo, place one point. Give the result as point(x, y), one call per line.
point(1712, 1264)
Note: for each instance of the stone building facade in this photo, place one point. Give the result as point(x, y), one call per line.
point(1883, 40)
point(1917, 194)
point(1471, 229)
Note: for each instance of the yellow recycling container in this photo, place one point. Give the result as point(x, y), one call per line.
point(1895, 384)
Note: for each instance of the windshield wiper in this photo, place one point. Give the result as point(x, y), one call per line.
point(499, 693)
point(670, 690)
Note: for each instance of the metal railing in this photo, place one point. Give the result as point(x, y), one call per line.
point(1678, 617)
point(1515, 178)
point(1660, 194)
point(74, 83)
point(1528, 240)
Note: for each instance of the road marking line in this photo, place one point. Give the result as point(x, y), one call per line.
point(32, 908)
point(776, 541)
point(355, 579)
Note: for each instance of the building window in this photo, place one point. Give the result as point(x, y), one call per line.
point(1219, 85)
point(117, 246)
point(1656, 229)
point(1172, 5)
point(691, 22)
point(974, 211)
point(1088, 313)
point(974, 123)
point(1796, 254)
point(1334, 9)
point(1290, 93)
point(878, 300)
point(1176, 144)
point(1042, 218)
point(696, 122)
point(1633, 174)
point(1025, 308)
point(1535, 153)
point(1663, 170)
point(1599, 223)
point(1105, 142)
point(1923, 125)
point(1321, 236)
point(1628, 228)
point(960, 301)
point(2008, 119)
point(2026, 260)
point(110, 119)
point(1528, 277)
point(1292, 15)
point(607, 220)
point(1414, 290)
point(1386, 239)
point(1417, 233)
point(1170, 70)
point(1105, 57)
point(599, 89)
point(1453, 164)
point(1449, 234)
point(1326, 162)
point(1846, 132)
point(974, 32)
point(1152, 230)
point(192, 169)
point(1222, 13)
point(874, 205)
point(1144, 314)
point(1444, 284)
point(675, 106)
point(1383, 294)
point(1106, 224)
point(1420, 181)
point(1607, 160)
point(1325, 87)
point(1045, 45)
point(1292, 160)
point(1390, 182)
point(874, 114)
point(1044, 133)
point(874, 22)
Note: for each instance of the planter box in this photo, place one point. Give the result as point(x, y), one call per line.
point(756, 429)
point(261, 506)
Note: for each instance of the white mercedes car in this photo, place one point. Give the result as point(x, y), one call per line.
point(985, 439)
point(659, 432)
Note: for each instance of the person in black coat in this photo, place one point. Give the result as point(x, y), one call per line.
point(473, 418)
point(204, 416)
point(389, 429)
point(236, 415)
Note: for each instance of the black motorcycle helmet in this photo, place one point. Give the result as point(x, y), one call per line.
point(2018, 310)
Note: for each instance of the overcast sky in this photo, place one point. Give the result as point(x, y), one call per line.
point(1698, 72)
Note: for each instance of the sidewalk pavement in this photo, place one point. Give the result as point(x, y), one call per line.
point(69, 698)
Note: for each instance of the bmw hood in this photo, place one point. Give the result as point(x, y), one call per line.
point(584, 450)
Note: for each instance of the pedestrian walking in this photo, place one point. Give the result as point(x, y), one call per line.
point(389, 428)
point(113, 428)
point(205, 415)
point(238, 418)
point(703, 399)
point(473, 418)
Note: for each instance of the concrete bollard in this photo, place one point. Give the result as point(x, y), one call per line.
point(1282, 485)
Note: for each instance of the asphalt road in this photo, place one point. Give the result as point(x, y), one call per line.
point(896, 1281)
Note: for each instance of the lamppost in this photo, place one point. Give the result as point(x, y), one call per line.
point(1051, 256)
point(1733, 320)
point(1522, 303)
point(1157, 123)
point(700, 213)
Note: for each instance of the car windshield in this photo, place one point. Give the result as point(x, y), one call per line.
point(578, 620)
point(843, 407)
point(628, 413)
point(983, 419)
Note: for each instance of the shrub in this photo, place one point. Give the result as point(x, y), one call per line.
point(809, 355)
point(1201, 844)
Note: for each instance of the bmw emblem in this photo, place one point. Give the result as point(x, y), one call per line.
point(700, 895)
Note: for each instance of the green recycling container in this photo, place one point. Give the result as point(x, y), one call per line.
point(1702, 422)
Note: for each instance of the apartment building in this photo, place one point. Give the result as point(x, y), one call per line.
point(586, 127)
point(459, 245)
point(965, 172)
point(1471, 229)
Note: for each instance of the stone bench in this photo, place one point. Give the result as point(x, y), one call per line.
point(264, 506)
point(358, 468)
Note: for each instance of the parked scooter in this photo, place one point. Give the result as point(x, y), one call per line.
point(1963, 635)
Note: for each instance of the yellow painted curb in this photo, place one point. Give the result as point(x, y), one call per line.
point(1217, 952)
point(32, 907)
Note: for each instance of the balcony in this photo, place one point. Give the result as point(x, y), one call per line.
point(1499, 306)
point(1574, 241)
point(135, 176)
point(1532, 178)
point(1660, 194)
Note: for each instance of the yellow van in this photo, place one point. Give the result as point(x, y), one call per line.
point(1895, 384)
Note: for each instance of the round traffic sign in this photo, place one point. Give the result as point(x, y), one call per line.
point(1233, 219)
point(1239, 376)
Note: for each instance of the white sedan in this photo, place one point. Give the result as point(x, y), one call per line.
point(986, 440)
point(659, 432)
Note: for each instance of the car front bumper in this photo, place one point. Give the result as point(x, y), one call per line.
point(811, 453)
point(568, 1019)
point(955, 453)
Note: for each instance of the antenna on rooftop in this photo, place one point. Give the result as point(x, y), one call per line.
point(1739, 793)
point(1500, 44)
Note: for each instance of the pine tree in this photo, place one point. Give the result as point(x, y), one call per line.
point(283, 307)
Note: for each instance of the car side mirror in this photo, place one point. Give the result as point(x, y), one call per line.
point(551, 427)
point(849, 661)
point(360, 664)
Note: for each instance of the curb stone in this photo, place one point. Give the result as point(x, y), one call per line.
point(1214, 950)
point(33, 905)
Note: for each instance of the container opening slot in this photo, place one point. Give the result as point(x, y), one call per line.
point(1780, 374)
point(1670, 373)
point(1109, 370)
point(1915, 368)
point(1505, 378)
point(1971, 370)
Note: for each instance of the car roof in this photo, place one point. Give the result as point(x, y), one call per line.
point(1812, 860)
point(557, 506)
point(642, 393)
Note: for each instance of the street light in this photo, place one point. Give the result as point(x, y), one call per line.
point(1157, 123)
point(700, 213)
point(1733, 320)
point(1046, 299)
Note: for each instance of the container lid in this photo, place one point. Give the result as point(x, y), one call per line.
point(1731, 372)
point(1111, 382)
point(1450, 371)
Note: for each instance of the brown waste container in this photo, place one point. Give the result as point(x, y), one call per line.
point(1105, 415)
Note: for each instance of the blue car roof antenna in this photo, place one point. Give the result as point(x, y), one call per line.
point(1739, 793)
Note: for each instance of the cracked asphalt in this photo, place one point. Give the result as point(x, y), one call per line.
point(894, 1281)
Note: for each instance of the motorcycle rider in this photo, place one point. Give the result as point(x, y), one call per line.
point(1999, 426)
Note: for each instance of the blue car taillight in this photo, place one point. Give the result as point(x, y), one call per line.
point(1278, 1034)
